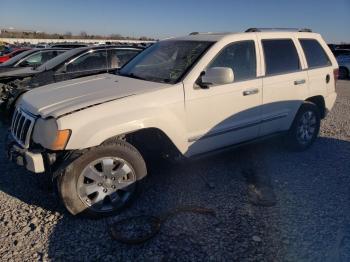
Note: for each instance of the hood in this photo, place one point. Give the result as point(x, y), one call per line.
point(13, 72)
point(64, 97)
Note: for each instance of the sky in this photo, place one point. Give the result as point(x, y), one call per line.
point(160, 19)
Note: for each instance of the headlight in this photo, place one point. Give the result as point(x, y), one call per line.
point(46, 133)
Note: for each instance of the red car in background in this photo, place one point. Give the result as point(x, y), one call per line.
point(17, 51)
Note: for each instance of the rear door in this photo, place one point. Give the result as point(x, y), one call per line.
point(320, 70)
point(285, 84)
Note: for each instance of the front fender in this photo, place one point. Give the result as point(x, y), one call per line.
point(92, 126)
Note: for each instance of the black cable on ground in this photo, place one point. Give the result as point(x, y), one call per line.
point(145, 227)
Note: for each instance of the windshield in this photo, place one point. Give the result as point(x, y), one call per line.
point(165, 61)
point(15, 59)
point(59, 59)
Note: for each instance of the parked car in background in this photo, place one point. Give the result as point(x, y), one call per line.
point(343, 46)
point(344, 66)
point(68, 45)
point(75, 63)
point(31, 58)
point(338, 52)
point(4, 50)
point(8, 56)
point(182, 97)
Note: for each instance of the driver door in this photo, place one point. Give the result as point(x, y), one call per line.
point(222, 115)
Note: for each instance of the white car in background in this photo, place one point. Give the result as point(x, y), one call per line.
point(183, 96)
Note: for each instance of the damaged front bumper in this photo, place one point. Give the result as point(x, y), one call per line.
point(32, 161)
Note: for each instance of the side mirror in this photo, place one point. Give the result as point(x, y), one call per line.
point(217, 76)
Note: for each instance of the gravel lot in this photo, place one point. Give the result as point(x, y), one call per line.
point(310, 221)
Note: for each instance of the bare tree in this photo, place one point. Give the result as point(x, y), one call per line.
point(83, 34)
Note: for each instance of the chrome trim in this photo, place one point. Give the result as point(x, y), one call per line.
point(299, 82)
point(19, 124)
point(235, 128)
point(250, 91)
point(275, 117)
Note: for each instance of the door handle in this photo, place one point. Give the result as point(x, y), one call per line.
point(250, 92)
point(299, 82)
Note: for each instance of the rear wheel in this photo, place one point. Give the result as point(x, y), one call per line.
point(305, 127)
point(103, 180)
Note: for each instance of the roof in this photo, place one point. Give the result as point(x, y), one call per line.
point(210, 36)
point(214, 37)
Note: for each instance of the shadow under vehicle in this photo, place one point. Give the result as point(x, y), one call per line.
point(72, 64)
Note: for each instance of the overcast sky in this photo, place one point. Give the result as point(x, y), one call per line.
point(159, 19)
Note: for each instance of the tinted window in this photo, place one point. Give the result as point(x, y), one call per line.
point(280, 56)
point(315, 55)
point(240, 57)
point(118, 57)
point(39, 58)
point(90, 61)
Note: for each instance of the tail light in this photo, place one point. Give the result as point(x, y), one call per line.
point(336, 74)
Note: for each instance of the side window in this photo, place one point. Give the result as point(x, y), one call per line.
point(48, 55)
point(314, 53)
point(90, 61)
point(281, 56)
point(38, 58)
point(118, 57)
point(32, 60)
point(240, 57)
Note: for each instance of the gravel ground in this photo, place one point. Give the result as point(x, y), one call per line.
point(310, 221)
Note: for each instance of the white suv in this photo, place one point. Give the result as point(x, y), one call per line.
point(183, 97)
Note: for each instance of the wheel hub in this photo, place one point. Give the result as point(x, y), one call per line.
point(106, 183)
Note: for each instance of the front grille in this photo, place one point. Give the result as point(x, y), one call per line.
point(21, 127)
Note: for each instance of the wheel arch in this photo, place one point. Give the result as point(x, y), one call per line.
point(319, 101)
point(149, 139)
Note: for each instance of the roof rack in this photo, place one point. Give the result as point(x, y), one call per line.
point(209, 33)
point(278, 29)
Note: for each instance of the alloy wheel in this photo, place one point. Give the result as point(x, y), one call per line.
point(106, 184)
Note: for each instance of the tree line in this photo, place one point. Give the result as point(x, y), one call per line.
point(67, 35)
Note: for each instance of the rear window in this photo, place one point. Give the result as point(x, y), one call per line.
point(280, 56)
point(314, 53)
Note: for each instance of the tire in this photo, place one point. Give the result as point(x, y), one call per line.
point(305, 127)
point(343, 73)
point(102, 181)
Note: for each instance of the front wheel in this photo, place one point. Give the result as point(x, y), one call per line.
point(305, 127)
point(103, 180)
